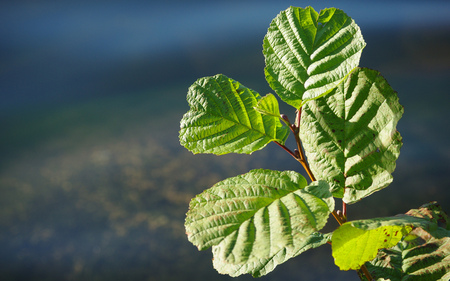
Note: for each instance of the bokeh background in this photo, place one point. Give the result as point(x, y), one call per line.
point(93, 182)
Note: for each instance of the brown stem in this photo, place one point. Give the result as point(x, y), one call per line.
point(286, 149)
point(299, 155)
point(307, 169)
point(298, 158)
point(297, 135)
point(338, 217)
point(366, 272)
point(302, 157)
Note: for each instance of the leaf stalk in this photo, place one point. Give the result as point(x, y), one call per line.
point(366, 273)
point(299, 155)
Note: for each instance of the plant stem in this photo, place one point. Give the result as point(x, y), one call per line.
point(306, 167)
point(338, 218)
point(299, 155)
point(366, 272)
point(286, 149)
point(302, 157)
point(296, 132)
point(298, 158)
point(344, 211)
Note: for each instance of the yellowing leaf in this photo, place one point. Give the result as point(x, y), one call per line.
point(352, 246)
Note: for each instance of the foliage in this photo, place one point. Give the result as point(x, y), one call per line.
point(345, 131)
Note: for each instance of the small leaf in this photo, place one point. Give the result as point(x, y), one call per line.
point(268, 105)
point(352, 246)
point(254, 218)
point(308, 54)
point(222, 119)
point(350, 135)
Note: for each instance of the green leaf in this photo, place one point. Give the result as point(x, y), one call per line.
point(308, 54)
point(268, 105)
point(355, 243)
point(425, 256)
point(258, 220)
point(222, 119)
point(350, 135)
point(263, 266)
point(430, 260)
point(387, 265)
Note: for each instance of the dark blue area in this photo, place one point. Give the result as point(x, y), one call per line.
point(62, 52)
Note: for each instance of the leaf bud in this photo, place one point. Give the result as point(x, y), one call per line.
point(285, 118)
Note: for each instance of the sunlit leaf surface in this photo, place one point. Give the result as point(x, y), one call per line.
point(268, 105)
point(424, 256)
point(222, 119)
point(263, 266)
point(308, 54)
point(350, 135)
point(258, 220)
point(352, 246)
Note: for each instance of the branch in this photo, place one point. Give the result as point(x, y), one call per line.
point(366, 273)
point(299, 155)
point(302, 157)
point(338, 217)
point(286, 149)
point(344, 211)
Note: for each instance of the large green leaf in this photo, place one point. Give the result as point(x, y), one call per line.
point(350, 135)
point(425, 256)
point(308, 54)
point(223, 119)
point(263, 266)
point(258, 220)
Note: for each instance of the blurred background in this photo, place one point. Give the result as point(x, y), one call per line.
point(93, 182)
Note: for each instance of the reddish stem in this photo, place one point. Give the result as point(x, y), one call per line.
point(366, 272)
point(286, 149)
point(344, 211)
point(299, 155)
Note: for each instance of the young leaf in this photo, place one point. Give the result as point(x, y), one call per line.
point(223, 119)
point(350, 135)
point(268, 105)
point(308, 54)
point(258, 218)
point(426, 257)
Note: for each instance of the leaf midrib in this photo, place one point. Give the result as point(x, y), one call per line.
point(232, 120)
